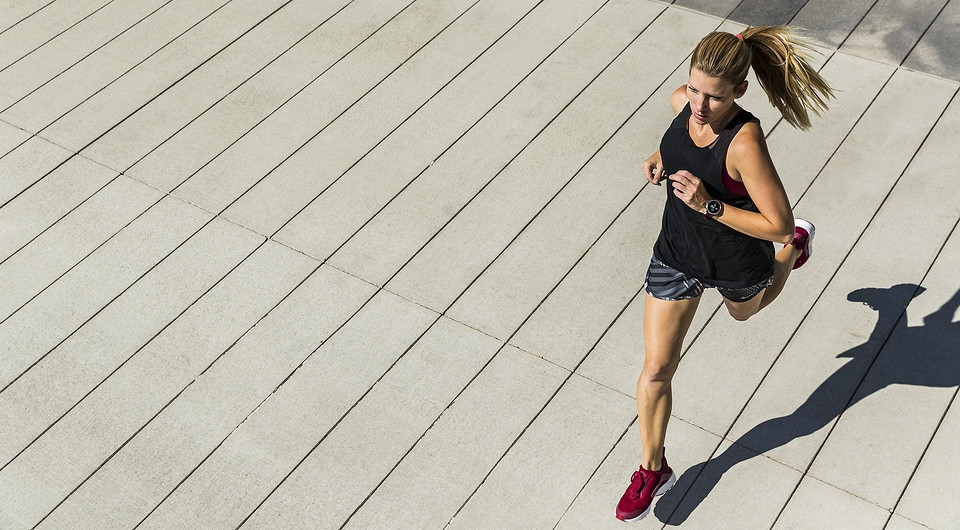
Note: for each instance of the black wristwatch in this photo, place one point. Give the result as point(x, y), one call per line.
point(714, 208)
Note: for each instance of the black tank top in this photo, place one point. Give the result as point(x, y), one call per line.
point(689, 242)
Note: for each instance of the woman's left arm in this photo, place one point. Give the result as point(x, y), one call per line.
point(748, 159)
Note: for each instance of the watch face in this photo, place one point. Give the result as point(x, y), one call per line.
point(713, 207)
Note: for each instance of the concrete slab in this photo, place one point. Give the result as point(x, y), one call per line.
point(891, 29)
point(304, 68)
point(816, 504)
point(64, 377)
point(449, 118)
point(285, 191)
point(44, 25)
point(287, 131)
point(934, 53)
point(10, 138)
point(929, 496)
point(445, 467)
point(570, 321)
point(764, 13)
point(13, 12)
point(89, 426)
point(830, 23)
point(257, 47)
point(26, 164)
point(349, 463)
point(46, 202)
point(226, 487)
point(70, 47)
point(857, 83)
point(71, 88)
point(55, 251)
point(717, 8)
point(902, 523)
point(541, 475)
point(201, 45)
point(80, 294)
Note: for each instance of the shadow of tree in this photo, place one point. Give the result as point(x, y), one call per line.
point(934, 361)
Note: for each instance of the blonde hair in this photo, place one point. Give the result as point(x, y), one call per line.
point(780, 61)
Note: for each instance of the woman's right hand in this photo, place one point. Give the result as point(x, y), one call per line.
point(653, 169)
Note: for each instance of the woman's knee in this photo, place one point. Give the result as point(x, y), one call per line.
point(657, 373)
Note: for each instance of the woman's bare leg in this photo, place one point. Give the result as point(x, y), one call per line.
point(664, 325)
point(782, 265)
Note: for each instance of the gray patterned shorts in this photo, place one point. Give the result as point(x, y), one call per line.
point(666, 283)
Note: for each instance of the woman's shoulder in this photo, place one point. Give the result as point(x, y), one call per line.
point(748, 143)
point(678, 99)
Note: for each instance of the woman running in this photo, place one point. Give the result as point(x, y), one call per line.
point(725, 208)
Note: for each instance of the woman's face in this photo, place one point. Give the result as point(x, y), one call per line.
point(711, 98)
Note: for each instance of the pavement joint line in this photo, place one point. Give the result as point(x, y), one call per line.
point(295, 94)
point(68, 212)
point(30, 135)
point(58, 34)
point(344, 111)
point(251, 76)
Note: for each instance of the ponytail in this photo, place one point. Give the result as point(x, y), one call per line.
point(780, 61)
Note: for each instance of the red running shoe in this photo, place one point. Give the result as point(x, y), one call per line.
point(803, 240)
point(644, 486)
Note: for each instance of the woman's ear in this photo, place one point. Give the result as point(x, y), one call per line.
point(741, 89)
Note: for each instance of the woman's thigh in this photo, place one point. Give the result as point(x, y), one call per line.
point(665, 323)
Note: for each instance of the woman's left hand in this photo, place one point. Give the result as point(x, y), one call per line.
point(690, 190)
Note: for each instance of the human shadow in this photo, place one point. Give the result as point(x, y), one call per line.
point(927, 355)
